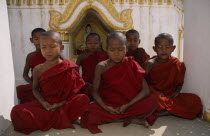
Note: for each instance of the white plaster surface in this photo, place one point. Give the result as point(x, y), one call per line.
point(7, 79)
point(196, 49)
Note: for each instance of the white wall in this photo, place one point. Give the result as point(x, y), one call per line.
point(7, 84)
point(197, 49)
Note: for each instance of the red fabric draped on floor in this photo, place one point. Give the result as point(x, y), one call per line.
point(61, 82)
point(88, 69)
point(139, 55)
point(24, 92)
point(165, 78)
point(119, 85)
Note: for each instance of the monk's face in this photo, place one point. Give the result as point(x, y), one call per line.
point(116, 50)
point(50, 48)
point(92, 43)
point(133, 41)
point(164, 49)
point(35, 39)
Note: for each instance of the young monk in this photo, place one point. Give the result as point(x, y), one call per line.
point(166, 77)
point(24, 92)
point(139, 54)
point(89, 59)
point(55, 86)
point(119, 89)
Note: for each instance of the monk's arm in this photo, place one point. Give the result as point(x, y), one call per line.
point(56, 106)
point(96, 96)
point(79, 59)
point(35, 90)
point(26, 69)
point(142, 94)
point(96, 84)
point(177, 92)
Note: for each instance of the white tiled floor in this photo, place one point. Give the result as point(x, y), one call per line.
point(164, 126)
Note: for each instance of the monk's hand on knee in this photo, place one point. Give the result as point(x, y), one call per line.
point(123, 108)
point(54, 107)
point(111, 110)
point(46, 105)
point(175, 94)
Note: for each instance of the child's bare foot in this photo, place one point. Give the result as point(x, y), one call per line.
point(141, 122)
point(164, 113)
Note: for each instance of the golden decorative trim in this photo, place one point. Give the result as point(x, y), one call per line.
point(169, 2)
point(112, 1)
point(64, 35)
point(29, 2)
point(121, 1)
point(206, 116)
point(40, 2)
point(160, 2)
point(50, 2)
point(180, 37)
point(57, 19)
point(141, 1)
point(177, 3)
point(131, 1)
point(150, 2)
point(18, 2)
point(61, 2)
point(8, 2)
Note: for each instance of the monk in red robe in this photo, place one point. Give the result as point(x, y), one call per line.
point(55, 86)
point(119, 89)
point(24, 92)
point(133, 41)
point(89, 59)
point(165, 79)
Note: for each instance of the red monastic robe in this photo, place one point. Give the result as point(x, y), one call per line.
point(61, 82)
point(119, 85)
point(24, 92)
point(89, 65)
point(165, 78)
point(88, 69)
point(139, 55)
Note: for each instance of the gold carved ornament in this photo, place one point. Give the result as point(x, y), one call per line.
point(57, 18)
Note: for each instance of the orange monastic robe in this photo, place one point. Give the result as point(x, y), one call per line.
point(119, 85)
point(139, 55)
point(165, 78)
point(24, 92)
point(61, 82)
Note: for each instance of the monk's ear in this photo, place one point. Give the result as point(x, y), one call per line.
point(31, 39)
point(62, 47)
point(154, 49)
point(139, 41)
point(174, 47)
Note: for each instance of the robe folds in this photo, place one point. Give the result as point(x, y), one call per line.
point(88, 69)
point(119, 85)
point(164, 78)
point(24, 92)
point(139, 55)
point(89, 64)
point(61, 82)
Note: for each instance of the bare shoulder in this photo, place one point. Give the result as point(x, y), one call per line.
point(82, 56)
point(38, 70)
point(102, 66)
point(31, 54)
point(149, 65)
